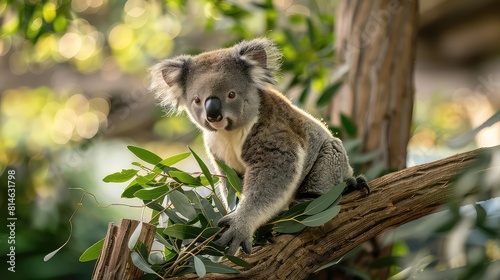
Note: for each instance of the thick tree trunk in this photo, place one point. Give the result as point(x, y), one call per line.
point(377, 40)
point(396, 199)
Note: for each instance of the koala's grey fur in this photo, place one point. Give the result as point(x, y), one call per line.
point(281, 152)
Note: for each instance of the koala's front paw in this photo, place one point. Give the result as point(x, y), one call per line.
point(237, 234)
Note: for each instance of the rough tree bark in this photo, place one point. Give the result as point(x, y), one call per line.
point(115, 261)
point(377, 40)
point(396, 199)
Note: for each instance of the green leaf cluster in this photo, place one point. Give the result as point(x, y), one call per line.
point(310, 213)
point(187, 220)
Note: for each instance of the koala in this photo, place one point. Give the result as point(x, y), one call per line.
point(281, 152)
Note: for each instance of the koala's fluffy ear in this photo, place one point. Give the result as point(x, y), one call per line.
point(167, 80)
point(264, 60)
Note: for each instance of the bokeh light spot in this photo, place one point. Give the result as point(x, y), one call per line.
point(5, 45)
point(87, 125)
point(159, 45)
point(120, 37)
point(101, 105)
point(135, 8)
point(88, 48)
point(79, 103)
point(61, 131)
point(70, 45)
point(49, 11)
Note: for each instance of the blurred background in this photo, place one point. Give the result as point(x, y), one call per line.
point(73, 95)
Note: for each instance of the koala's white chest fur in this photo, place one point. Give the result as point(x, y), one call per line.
point(227, 145)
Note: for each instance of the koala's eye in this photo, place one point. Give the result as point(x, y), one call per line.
point(197, 100)
point(231, 94)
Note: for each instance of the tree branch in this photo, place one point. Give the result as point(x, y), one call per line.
point(396, 199)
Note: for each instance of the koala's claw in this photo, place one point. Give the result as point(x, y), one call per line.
point(356, 184)
point(234, 236)
point(224, 221)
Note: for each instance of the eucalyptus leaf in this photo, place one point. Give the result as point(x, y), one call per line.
point(192, 195)
point(238, 261)
point(173, 159)
point(218, 204)
point(162, 240)
point(152, 193)
point(120, 177)
point(141, 249)
point(184, 178)
point(135, 236)
point(232, 198)
point(153, 205)
point(205, 182)
point(169, 254)
point(295, 210)
point(183, 232)
point(210, 266)
point(212, 251)
point(199, 266)
point(174, 217)
point(323, 202)
point(337, 260)
point(203, 167)
point(156, 258)
point(321, 218)
point(140, 263)
point(213, 267)
point(131, 189)
point(182, 204)
point(208, 210)
point(291, 226)
point(93, 252)
point(145, 155)
point(232, 177)
point(146, 181)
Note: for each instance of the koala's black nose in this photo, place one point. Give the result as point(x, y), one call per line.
point(213, 107)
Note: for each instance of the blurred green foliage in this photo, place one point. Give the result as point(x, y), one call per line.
point(95, 34)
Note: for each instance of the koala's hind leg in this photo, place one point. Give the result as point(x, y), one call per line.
point(330, 169)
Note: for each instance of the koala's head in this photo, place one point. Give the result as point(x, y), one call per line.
point(218, 89)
